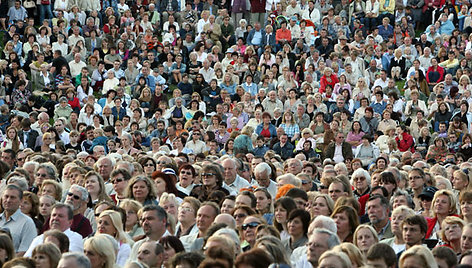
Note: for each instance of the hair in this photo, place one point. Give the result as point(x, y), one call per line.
point(360, 172)
point(150, 185)
point(49, 249)
point(452, 201)
point(81, 260)
point(417, 220)
point(326, 197)
point(286, 203)
point(170, 183)
point(61, 237)
point(117, 221)
point(365, 226)
point(355, 255)
point(57, 187)
point(351, 214)
point(216, 170)
point(6, 244)
point(450, 220)
point(304, 217)
point(446, 254)
point(382, 251)
point(172, 242)
point(342, 257)
point(103, 247)
point(398, 193)
point(420, 253)
point(255, 257)
point(275, 248)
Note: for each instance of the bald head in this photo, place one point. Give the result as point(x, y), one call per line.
point(226, 219)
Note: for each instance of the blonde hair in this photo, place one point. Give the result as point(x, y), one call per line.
point(101, 245)
point(368, 227)
point(450, 220)
point(419, 252)
point(452, 201)
point(342, 257)
point(353, 252)
point(116, 220)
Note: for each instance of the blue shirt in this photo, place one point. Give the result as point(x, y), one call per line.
point(385, 33)
point(22, 229)
point(251, 88)
point(257, 38)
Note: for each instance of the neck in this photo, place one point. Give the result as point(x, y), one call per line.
point(342, 236)
point(380, 225)
point(156, 236)
point(186, 225)
point(9, 213)
point(399, 239)
point(456, 245)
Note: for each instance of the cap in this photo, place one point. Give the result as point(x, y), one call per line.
point(169, 171)
point(293, 18)
point(428, 192)
point(230, 50)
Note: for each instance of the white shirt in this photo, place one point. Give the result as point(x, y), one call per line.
point(338, 153)
point(272, 188)
point(65, 137)
point(75, 242)
point(239, 183)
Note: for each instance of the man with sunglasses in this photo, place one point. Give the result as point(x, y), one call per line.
point(77, 198)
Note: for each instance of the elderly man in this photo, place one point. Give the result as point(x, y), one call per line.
point(232, 179)
point(74, 260)
point(104, 167)
point(61, 219)
point(319, 242)
point(43, 117)
point(21, 226)
point(263, 173)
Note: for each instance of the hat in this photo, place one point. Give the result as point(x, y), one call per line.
point(169, 171)
point(294, 18)
point(428, 192)
point(230, 50)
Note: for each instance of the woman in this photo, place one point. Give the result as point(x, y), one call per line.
point(86, 115)
point(461, 181)
point(11, 140)
point(264, 205)
point(96, 187)
point(165, 184)
point(132, 226)
point(240, 213)
point(341, 85)
point(297, 225)
point(145, 100)
point(51, 188)
point(438, 151)
point(172, 246)
point(290, 127)
point(417, 256)
point(328, 78)
point(143, 190)
point(6, 246)
point(329, 257)
point(46, 204)
point(444, 204)
point(320, 204)
point(47, 143)
point(283, 207)
point(266, 128)
point(30, 207)
point(347, 221)
point(354, 137)
point(319, 126)
point(360, 179)
point(212, 180)
point(243, 142)
point(397, 66)
point(292, 102)
point(110, 223)
point(451, 233)
point(320, 106)
point(386, 122)
point(228, 148)
point(46, 255)
point(364, 237)
point(366, 152)
point(435, 73)
point(100, 250)
point(149, 165)
point(187, 214)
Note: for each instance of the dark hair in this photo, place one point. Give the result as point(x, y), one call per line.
point(304, 217)
point(255, 257)
point(250, 195)
point(288, 204)
point(384, 252)
point(192, 259)
point(61, 237)
point(170, 183)
point(297, 192)
point(173, 242)
point(446, 254)
point(160, 212)
point(6, 243)
point(417, 220)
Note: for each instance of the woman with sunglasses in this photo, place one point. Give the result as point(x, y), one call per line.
point(149, 165)
point(212, 180)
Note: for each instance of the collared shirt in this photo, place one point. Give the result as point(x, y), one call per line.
point(76, 243)
point(134, 251)
point(272, 188)
point(239, 183)
point(22, 229)
point(185, 190)
point(338, 153)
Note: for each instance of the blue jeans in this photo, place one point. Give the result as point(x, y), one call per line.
point(44, 10)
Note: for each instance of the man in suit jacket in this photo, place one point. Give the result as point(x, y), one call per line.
point(40, 80)
point(210, 6)
point(27, 135)
point(93, 42)
point(339, 150)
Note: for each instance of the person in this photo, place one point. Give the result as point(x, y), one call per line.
point(99, 250)
point(418, 255)
point(72, 259)
point(413, 231)
point(47, 253)
point(22, 227)
point(381, 255)
point(151, 254)
point(378, 210)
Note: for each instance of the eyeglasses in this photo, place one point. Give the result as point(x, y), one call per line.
point(186, 173)
point(250, 225)
point(359, 179)
point(415, 178)
point(76, 197)
point(118, 180)
point(20, 159)
point(240, 215)
point(208, 174)
point(161, 162)
point(196, 134)
point(41, 175)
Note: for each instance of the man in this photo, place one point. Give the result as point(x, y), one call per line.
point(206, 214)
point(74, 260)
point(338, 189)
point(416, 181)
point(104, 167)
point(17, 12)
point(284, 148)
point(151, 253)
point(381, 255)
point(61, 219)
point(21, 226)
point(27, 135)
point(368, 122)
point(413, 231)
point(9, 156)
point(154, 224)
point(60, 127)
point(232, 179)
point(466, 238)
point(271, 102)
point(339, 150)
point(378, 210)
point(263, 173)
point(43, 117)
point(77, 198)
point(255, 36)
point(76, 65)
point(320, 241)
point(295, 166)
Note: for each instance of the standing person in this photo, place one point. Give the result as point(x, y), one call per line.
point(22, 227)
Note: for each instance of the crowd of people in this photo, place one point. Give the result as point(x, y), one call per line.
point(242, 133)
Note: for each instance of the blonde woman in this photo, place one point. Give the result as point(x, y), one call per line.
point(364, 237)
point(464, 84)
point(320, 204)
point(290, 127)
point(132, 226)
point(354, 253)
point(461, 181)
point(340, 258)
point(444, 205)
point(170, 205)
point(109, 222)
point(420, 255)
point(398, 215)
point(451, 233)
point(100, 250)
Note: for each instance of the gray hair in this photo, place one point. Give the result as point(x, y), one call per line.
point(231, 234)
point(31, 163)
point(81, 260)
point(50, 170)
point(82, 190)
point(327, 223)
point(361, 173)
point(263, 168)
point(333, 239)
point(19, 181)
point(97, 147)
point(398, 193)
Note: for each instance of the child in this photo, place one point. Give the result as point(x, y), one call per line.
point(261, 148)
point(222, 135)
point(74, 141)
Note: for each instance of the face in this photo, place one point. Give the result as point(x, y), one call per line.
point(412, 262)
point(243, 200)
point(228, 206)
point(151, 223)
point(119, 183)
point(295, 227)
point(140, 190)
point(105, 226)
point(25, 206)
point(316, 246)
point(365, 239)
point(205, 217)
point(249, 231)
point(95, 259)
point(360, 183)
point(263, 202)
point(160, 185)
point(377, 213)
point(42, 260)
point(280, 214)
point(240, 215)
point(452, 231)
point(45, 206)
point(415, 180)
point(412, 234)
point(11, 200)
point(442, 205)
point(92, 185)
point(336, 190)
point(186, 177)
point(59, 219)
point(229, 170)
point(458, 182)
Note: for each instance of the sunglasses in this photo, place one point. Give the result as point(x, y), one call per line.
point(76, 197)
point(207, 174)
point(186, 173)
point(41, 175)
point(251, 225)
point(118, 180)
